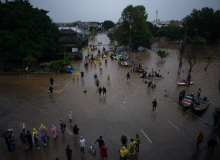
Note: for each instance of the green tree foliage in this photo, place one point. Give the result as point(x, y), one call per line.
point(110, 35)
point(162, 54)
point(60, 65)
point(153, 29)
point(29, 62)
point(93, 30)
point(26, 31)
point(194, 49)
point(134, 25)
point(172, 31)
point(108, 24)
point(204, 23)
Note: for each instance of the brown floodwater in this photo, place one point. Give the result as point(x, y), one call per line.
point(125, 110)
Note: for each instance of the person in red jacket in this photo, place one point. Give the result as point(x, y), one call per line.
point(104, 151)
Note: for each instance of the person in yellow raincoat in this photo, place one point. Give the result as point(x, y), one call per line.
point(73, 75)
point(77, 75)
point(45, 130)
point(108, 77)
point(35, 131)
point(100, 62)
point(95, 63)
point(132, 150)
point(123, 152)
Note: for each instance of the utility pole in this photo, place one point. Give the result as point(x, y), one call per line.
point(129, 50)
point(182, 52)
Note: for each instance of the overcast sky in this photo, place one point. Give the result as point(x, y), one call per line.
point(101, 10)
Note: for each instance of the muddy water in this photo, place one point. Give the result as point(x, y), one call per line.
point(208, 81)
point(125, 109)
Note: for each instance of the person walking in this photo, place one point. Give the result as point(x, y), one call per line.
point(69, 152)
point(101, 142)
point(124, 152)
point(62, 126)
point(104, 91)
point(124, 140)
point(23, 127)
point(132, 148)
point(149, 84)
point(73, 75)
point(35, 131)
point(128, 76)
point(138, 141)
point(51, 81)
point(43, 136)
point(212, 143)
point(82, 144)
point(97, 83)
point(8, 142)
point(36, 141)
point(199, 92)
point(75, 131)
point(104, 151)
point(29, 139)
point(100, 91)
point(45, 130)
point(54, 131)
point(70, 114)
point(154, 103)
point(82, 74)
point(199, 138)
point(23, 140)
point(50, 89)
point(77, 75)
point(12, 142)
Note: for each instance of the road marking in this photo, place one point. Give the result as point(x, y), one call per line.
point(173, 125)
point(123, 107)
point(107, 119)
point(41, 110)
point(68, 131)
point(146, 136)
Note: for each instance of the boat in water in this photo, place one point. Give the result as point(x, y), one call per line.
point(184, 83)
point(201, 104)
point(188, 101)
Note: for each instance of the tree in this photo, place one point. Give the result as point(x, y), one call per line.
point(204, 23)
point(108, 24)
point(194, 49)
point(172, 31)
point(152, 28)
point(134, 25)
point(26, 31)
point(93, 30)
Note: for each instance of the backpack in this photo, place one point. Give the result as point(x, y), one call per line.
point(138, 140)
point(64, 125)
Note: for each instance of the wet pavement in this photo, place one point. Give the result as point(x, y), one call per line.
point(167, 133)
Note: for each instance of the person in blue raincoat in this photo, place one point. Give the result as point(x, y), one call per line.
point(43, 136)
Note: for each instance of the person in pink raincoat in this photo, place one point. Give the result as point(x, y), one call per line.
point(54, 131)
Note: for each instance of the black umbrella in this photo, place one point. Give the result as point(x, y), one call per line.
point(7, 133)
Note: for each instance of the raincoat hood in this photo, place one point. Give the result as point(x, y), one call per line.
point(42, 125)
point(34, 131)
point(53, 126)
point(123, 148)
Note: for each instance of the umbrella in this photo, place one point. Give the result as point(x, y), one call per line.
point(7, 133)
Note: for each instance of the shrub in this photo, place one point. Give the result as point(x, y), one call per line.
point(29, 61)
point(60, 65)
point(161, 53)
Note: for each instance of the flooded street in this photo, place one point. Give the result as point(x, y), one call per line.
point(167, 133)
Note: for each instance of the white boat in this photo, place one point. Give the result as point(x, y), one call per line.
point(184, 83)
